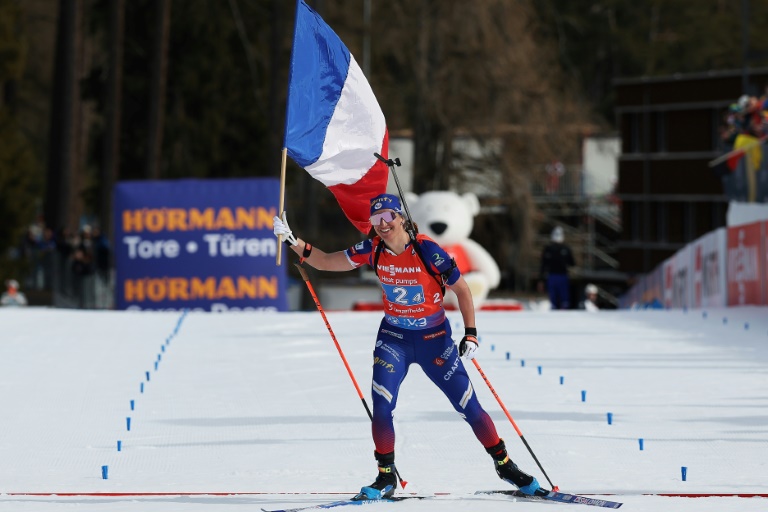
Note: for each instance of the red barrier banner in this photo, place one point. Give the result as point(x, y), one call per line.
point(746, 264)
point(709, 288)
point(677, 271)
point(764, 270)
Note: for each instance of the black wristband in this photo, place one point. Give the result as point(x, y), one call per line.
point(306, 253)
point(470, 331)
point(287, 242)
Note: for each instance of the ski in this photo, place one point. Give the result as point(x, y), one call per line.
point(544, 495)
point(560, 497)
point(343, 503)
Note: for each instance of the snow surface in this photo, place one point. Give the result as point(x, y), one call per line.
point(259, 405)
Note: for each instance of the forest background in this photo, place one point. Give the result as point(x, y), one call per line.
point(96, 91)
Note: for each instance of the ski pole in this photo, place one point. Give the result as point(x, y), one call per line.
point(409, 220)
point(509, 417)
point(341, 352)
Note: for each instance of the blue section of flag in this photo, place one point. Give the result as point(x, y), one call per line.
point(318, 70)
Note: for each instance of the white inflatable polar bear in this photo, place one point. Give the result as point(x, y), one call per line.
point(447, 218)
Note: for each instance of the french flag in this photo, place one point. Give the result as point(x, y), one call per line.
point(334, 124)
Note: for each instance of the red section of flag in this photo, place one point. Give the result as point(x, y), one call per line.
point(354, 199)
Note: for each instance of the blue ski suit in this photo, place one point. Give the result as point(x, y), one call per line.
point(415, 330)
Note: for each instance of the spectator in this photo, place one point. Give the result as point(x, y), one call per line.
point(12, 295)
point(555, 171)
point(751, 118)
point(85, 241)
point(555, 260)
point(590, 298)
point(729, 129)
point(82, 268)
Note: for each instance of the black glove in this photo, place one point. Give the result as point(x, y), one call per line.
point(469, 343)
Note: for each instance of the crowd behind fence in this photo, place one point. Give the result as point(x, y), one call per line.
point(745, 183)
point(744, 166)
point(72, 270)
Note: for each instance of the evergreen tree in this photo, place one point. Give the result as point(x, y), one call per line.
point(19, 169)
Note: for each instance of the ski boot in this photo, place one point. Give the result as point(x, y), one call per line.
point(386, 482)
point(509, 472)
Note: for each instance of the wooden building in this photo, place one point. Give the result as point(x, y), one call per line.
point(670, 130)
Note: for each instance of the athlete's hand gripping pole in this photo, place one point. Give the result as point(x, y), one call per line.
point(468, 344)
point(509, 417)
point(304, 276)
point(281, 204)
point(282, 230)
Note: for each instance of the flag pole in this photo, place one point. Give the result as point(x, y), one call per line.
point(281, 204)
point(736, 152)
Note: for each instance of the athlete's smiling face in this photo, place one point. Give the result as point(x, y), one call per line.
point(387, 224)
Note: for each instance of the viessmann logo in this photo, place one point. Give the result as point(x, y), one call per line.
point(392, 269)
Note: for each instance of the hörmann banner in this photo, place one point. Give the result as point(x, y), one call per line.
point(197, 244)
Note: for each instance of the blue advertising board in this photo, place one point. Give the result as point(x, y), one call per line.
point(198, 244)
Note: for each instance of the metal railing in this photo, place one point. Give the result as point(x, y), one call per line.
point(69, 285)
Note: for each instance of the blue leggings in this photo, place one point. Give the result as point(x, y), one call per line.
point(559, 290)
point(433, 350)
